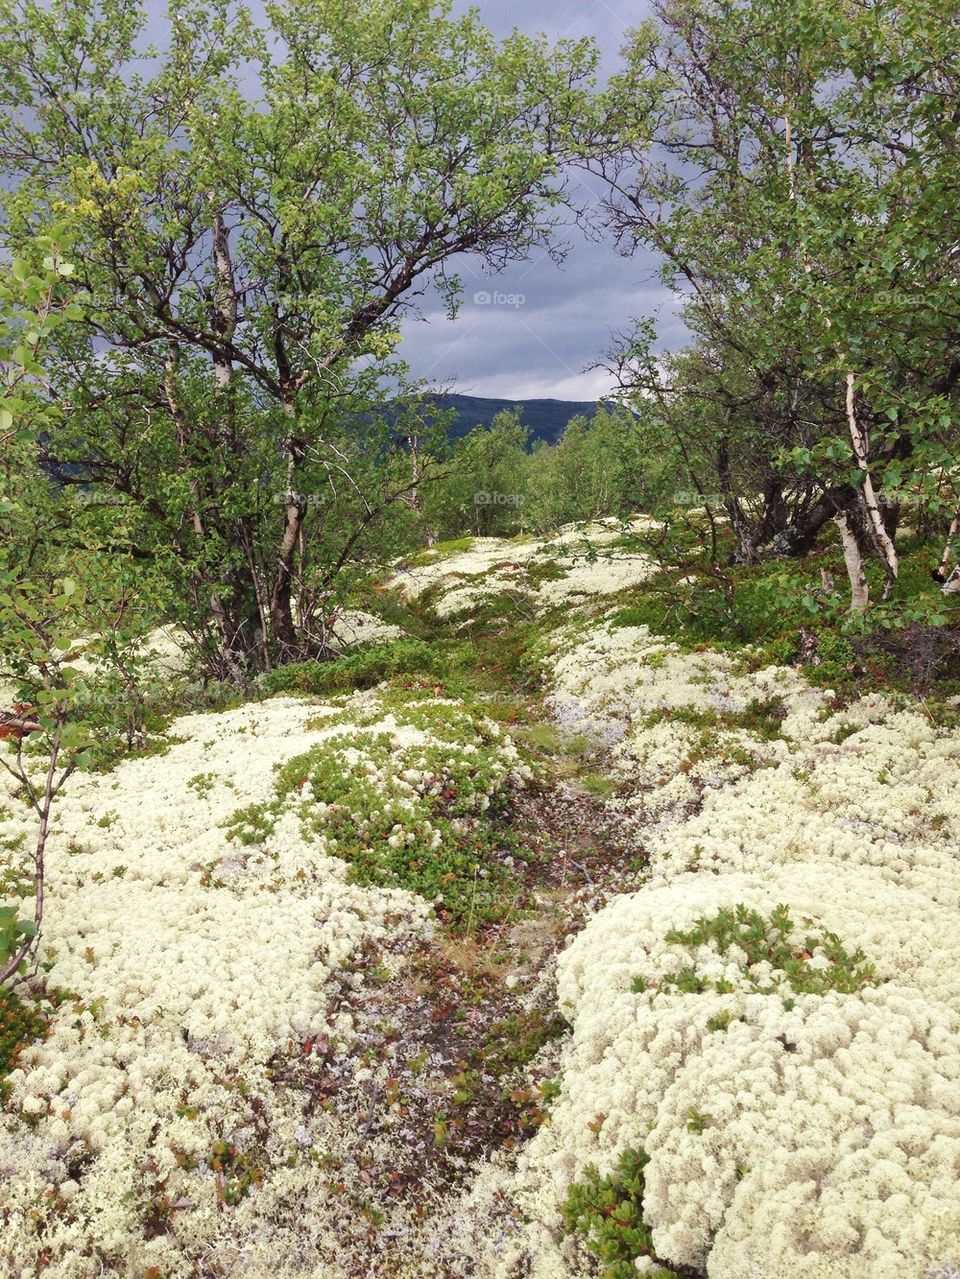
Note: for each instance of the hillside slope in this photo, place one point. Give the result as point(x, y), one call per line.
point(545, 419)
point(519, 938)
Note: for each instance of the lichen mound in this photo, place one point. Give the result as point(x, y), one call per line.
point(797, 1096)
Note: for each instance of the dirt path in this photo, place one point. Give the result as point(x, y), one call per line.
point(455, 1057)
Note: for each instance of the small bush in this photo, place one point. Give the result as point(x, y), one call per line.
point(768, 941)
point(363, 668)
point(21, 1022)
point(607, 1212)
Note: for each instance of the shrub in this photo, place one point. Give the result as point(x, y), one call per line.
point(21, 1021)
point(768, 942)
point(607, 1212)
point(363, 668)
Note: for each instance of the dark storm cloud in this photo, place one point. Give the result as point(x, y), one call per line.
point(534, 329)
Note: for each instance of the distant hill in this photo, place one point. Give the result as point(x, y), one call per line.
point(544, 419)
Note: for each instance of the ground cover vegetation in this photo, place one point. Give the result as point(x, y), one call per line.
point(437, 860)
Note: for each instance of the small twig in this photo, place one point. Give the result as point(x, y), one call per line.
point(583, 870)
point(371, 1112)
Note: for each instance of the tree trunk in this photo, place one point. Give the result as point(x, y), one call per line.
point(800, 535)
point(885, 543)
point(235, 602)
point(853, 536)
point(740, 524)
point(230, 628)
point(941, 573)
point(773, 520)
point(285, 632)
point(281, 596)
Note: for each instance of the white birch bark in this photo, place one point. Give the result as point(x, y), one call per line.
point(853, 558)
point(859, 440)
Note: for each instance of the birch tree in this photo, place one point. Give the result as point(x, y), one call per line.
point(799, 191)
point(254, 211)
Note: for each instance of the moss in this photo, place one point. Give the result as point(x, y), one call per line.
point(598, 784)
point(513, 1042)
point(456, 823)
point(549, 740)
point(762, 717)
point(844, 731)
point(439, 551)
point(363, 667)
point(544, 571)
point(783, 614)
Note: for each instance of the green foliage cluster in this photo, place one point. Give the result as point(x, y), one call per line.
point(769, 941)
point(43, 607)
point(484, 487)
point(22, 1020)
point(763, 717)
point(601, 466)
point(496, 485)
point(456, 830)
point(491, 1067)
point(363, 667)
point(253, 206)
point(607, 1212)
point(805, 221)
point(14, 932)
point(238, 1172)
point(776, 612)
point(514, 1041)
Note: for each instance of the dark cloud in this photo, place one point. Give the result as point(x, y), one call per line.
point(534, 329)
point(544, 344)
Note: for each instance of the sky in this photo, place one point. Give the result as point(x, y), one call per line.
point(533, 330)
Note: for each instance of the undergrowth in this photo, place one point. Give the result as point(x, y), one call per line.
point(22, 1020)
point(607, 1213)
point(431, 814)
point(814, 965)
point(789, 612)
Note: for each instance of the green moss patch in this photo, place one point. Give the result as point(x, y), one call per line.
point(427, 810)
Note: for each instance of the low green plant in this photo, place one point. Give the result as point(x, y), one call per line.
point(14, 933)
point(763, 717)
point(768, 941)
point(237, 1172)
point(454, 546)
point(698, 1121)
point(363, 667)
point(787, 610)
point(22, 1020)
point(844, 731)
point(514, 1041)
point(607, 1213)
point(455, 821)
point(599, 785)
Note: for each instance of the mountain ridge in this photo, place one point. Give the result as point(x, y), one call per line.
point(544, 418)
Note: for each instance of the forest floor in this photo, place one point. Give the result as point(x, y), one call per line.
point(362, 977)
